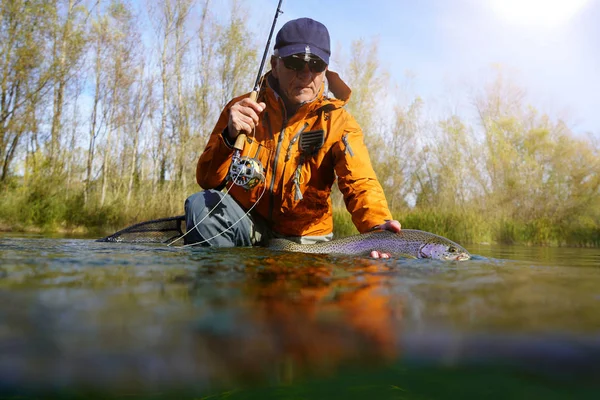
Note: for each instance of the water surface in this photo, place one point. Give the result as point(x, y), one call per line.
point(82, 319)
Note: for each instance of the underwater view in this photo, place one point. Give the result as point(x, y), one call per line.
point(83, 319)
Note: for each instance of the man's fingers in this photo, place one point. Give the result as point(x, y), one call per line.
point(243, 123)
point(244, 116)
point(240, 122)
point(377, 254)
point(392, 225)
point(249, 103)
point(243, 113)
point(244, 127)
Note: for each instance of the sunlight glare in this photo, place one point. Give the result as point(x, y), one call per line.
point(548, 13)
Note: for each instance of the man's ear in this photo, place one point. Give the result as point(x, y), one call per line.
point(274, 61)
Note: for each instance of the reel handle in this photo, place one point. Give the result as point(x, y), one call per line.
point(241, 138)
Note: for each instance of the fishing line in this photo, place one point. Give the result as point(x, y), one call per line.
point(225, 230)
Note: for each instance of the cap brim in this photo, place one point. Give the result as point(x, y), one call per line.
point(286, 51)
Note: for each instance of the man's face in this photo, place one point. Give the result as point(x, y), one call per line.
point(298, 86)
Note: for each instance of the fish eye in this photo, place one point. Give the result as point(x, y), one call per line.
point(452, 249)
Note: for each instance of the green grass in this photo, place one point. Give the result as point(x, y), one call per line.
point(476, 227)
point(45, 206)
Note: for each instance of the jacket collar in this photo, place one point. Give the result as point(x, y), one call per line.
point(338, 87)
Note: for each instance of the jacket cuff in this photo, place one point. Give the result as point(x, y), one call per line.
point(226, 140)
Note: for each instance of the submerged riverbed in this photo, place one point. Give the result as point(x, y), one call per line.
point(83, 319)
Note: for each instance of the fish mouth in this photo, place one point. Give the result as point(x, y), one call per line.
point(462, 257)
point(457, 257)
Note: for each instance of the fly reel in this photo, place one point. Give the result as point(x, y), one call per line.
point(246, 172)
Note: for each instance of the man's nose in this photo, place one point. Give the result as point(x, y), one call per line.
point(305, 71)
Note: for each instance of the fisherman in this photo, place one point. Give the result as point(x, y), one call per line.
point(302, 140)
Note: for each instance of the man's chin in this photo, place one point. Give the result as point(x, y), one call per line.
point(302, 98)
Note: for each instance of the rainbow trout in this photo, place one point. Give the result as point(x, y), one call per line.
point(408, 243)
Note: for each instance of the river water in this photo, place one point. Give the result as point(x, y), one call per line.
point(83, 319)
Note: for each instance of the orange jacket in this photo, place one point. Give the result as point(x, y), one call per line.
point(297, 188)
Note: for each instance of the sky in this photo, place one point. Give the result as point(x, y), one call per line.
point(549, 48)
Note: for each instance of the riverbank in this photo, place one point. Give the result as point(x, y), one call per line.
point(463, 228)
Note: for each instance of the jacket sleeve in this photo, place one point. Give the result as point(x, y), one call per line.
point(214, 161)
point(363, 194)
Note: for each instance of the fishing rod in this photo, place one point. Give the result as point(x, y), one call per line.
point(245, 171)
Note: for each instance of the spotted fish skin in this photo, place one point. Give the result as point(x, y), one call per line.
point(406, 243)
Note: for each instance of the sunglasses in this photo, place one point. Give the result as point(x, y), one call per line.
point(297, 64)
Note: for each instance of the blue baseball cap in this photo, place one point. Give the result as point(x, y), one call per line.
point(303, 36)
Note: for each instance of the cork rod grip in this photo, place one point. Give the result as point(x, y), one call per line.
point(241, 138)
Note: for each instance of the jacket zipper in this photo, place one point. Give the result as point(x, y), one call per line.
point(293, 141)
point(275, 158)
point(347, 144)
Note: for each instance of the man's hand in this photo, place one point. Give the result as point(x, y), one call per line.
point(243, 117)
point(393, 226)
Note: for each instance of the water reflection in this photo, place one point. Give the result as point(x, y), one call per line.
point(317, 316)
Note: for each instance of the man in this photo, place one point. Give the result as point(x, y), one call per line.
point(303, 139)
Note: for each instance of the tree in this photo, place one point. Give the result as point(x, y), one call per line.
point(237, 55)
point(364, 77)
point(204, 97)
point(67, 50)
point(122, 66)
point(367, 81)
point(535, 167)
point(25, 73)
point(396, 154)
